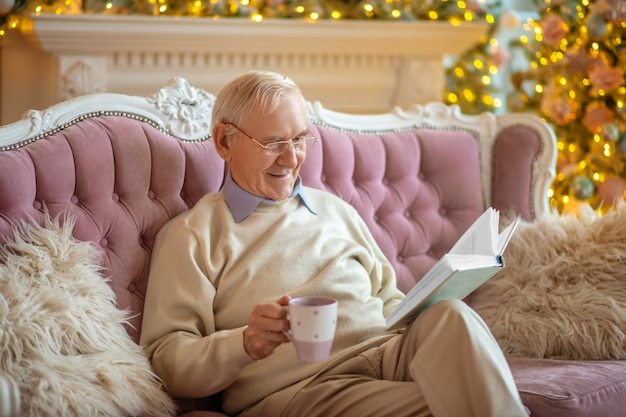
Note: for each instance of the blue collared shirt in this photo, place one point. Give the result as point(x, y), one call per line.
point(242, 203)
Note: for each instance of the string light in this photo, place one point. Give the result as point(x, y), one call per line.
point(455, 12)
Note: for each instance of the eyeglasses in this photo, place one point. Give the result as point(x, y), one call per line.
point(299, 143)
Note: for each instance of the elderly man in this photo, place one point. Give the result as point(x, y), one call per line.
point(224, 271)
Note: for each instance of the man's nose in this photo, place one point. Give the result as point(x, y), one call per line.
point(288, 158)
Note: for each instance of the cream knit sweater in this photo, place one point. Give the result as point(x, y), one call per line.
point(208, 272)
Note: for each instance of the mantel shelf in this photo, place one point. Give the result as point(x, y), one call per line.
point(350, 65)
point(80, 33)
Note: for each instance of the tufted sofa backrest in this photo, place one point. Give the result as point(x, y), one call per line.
point(122, 175)
point(418, 190)
point(121, 179)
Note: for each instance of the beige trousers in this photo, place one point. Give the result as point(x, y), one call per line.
point(446, 364)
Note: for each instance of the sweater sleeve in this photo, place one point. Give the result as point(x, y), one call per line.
point(388, 291)
point(178, 331)
point(382, 275)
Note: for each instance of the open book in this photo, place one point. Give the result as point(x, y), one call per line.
point(474, 258)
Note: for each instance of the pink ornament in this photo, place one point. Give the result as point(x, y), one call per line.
point(596, 115)
point(499, 55)
point(616, 12)
point(509, 20)
point(611, 190)
point(605, 78)
point(474, 6)
point(554, 29)
point(555, 104)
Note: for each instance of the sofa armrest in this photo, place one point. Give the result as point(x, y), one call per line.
point(524, 161)
point(9, 396)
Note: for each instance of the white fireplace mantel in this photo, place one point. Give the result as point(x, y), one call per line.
point(361, 66)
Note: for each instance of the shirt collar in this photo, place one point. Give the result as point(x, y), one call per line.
point(242, 203)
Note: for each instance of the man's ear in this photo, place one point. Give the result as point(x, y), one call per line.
point(220, 139)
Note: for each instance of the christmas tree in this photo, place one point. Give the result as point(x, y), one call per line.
point(471, 76)
point(575, 81)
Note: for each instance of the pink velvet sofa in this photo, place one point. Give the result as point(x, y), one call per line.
point(123, 166)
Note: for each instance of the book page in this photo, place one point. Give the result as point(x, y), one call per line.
point(474, 259)
point(481, 238)
point(505, 236)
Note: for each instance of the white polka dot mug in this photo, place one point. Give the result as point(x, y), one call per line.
point(313, 321)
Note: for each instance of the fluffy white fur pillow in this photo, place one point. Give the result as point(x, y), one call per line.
point(61, 336)
point(562, 293)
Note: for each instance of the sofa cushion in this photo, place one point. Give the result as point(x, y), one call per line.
point(61, 336)
point(417, 190)
point(550, 387)
point(562, 294)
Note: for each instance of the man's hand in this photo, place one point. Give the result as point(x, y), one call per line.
point(265, 328)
